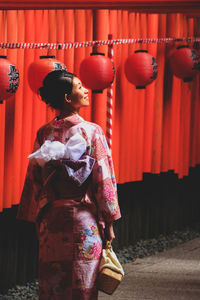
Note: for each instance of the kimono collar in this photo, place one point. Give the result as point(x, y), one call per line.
point(67, 122)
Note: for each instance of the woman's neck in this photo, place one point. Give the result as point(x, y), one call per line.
point(67, 113)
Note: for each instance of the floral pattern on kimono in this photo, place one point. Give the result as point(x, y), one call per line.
point(105, 187)
point(90, 237)
point(70, 248)
point(70, 215)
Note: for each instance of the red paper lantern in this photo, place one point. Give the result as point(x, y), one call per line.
point(97, 72)
point(185, 63)
point(141, 68)
point(9, 78)
point(39, 69)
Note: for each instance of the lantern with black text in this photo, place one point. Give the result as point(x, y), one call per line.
point(39, 69)
point(141, 68)
point(185, 63)
point(97, 72)
point(9, 78)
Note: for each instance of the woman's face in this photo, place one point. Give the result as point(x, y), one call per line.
point(79, 96)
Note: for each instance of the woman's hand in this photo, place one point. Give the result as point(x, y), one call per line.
point(109, 232)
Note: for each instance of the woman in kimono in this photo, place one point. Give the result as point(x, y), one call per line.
point(72, 200)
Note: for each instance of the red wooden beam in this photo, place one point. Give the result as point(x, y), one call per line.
point(146, 5)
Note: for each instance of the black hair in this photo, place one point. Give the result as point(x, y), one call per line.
point(55, 85)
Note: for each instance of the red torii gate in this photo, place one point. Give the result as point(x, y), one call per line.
point(139, 5)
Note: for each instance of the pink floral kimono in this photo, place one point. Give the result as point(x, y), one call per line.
point(70, 201)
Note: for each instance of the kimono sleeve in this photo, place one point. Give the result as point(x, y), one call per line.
point(31, 190)
point(104, 182)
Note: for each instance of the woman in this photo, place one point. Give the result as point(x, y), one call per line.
point(73, 200)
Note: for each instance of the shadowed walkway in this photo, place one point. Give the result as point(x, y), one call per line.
point(171, 275)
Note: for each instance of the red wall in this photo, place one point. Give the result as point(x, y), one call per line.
point(154, 130)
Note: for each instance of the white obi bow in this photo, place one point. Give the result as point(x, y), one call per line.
point(73, 150)
point(78, 165)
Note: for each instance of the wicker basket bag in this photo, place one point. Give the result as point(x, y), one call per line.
point(111, 272)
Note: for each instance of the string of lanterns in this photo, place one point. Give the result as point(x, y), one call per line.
point(97, 71)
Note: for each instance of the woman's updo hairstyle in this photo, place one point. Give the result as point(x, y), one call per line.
point(55, 85)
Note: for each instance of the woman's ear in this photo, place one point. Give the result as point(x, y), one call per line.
point(67, 99)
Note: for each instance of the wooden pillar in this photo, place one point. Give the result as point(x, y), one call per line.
point(100, 32)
